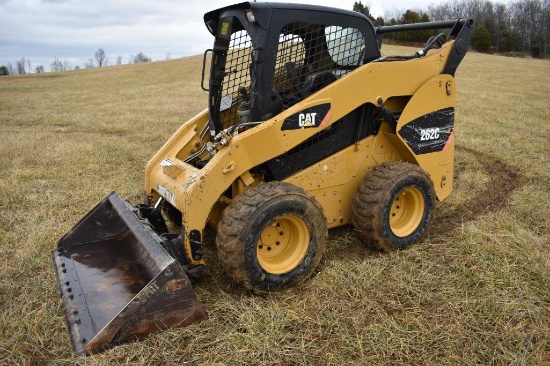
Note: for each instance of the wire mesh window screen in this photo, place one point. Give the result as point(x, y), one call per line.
point(311, 56)
point(345, 45)
point(291, 56)
point(237, 69)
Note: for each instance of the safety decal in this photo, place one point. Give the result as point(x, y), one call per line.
point(313, 117)
point(431, 132)
point(165, 192)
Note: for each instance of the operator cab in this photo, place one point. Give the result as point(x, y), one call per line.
point(270, 56)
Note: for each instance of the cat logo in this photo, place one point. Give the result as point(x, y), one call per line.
point(312, 117)
point(306, 119)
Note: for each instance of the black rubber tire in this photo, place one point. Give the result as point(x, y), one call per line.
point(256, 213)
point(376, 205)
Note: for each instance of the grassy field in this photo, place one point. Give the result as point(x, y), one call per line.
point(476, 291)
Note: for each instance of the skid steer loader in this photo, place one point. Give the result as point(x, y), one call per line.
point(307, 128)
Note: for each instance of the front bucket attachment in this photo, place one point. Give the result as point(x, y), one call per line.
point(117, 282)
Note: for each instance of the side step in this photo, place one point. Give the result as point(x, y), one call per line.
point(117, 282)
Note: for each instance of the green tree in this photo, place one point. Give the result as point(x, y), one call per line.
point(411, 17)
point(481, 39)
point(360, 8)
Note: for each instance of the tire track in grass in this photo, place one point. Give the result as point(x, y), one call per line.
point(503, 181)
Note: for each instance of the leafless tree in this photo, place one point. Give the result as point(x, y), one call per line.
point(20, 66)
point(119, 60)
point(58, 65)
point(29, 65)
point(517, 25)
point(101, 58)
point(528, 23)
point(39, 69)
point(139, 58)
point(89, 64)
point(392, 16)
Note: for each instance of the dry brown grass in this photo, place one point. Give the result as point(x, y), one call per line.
point(476, 291)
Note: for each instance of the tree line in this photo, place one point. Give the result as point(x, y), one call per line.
point(100, 59)
point(517, 26)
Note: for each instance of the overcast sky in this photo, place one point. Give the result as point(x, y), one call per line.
point(73, 30)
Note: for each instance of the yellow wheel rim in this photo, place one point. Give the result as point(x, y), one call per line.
point(283, 244)
point(406, 211)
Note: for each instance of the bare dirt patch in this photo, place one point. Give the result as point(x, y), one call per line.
point(503, 180)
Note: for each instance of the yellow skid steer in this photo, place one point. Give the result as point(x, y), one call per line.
point(307, 128)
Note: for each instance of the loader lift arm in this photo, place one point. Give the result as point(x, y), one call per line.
point(461, 31)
